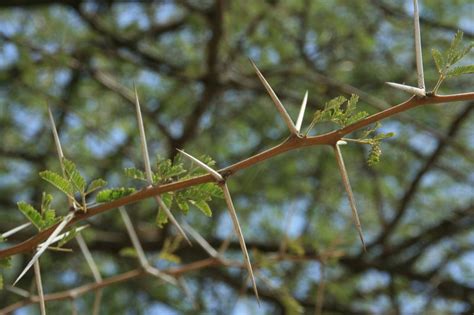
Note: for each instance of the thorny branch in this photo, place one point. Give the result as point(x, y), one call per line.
point(288, 144)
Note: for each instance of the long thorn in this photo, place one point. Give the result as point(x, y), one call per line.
point(276, 101)
point(39, 287)
point(134, 237)
point(149, 174)
point(240, 236)
point(203, 165)
point(45, 245)
point(350, 195)
point(407, 88)
point(15, 230)
point(418, 51)
point(299, 121)
point(171, 217)
point(201, 241)
point(88, 256)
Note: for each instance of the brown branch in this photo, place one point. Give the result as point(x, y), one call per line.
point(290, 143)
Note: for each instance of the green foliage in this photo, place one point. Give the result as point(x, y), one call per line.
point(444, 61)
point(197, 196)
point(4, 263)
point(111, 194)
point(335, 112)
point(128, 252)
point(69, 236)
point(72, 183)
point(42, 219)
point(374, 140)
point(169, 247)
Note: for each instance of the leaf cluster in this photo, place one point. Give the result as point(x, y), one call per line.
point(72, 183)
point(166, 171)
point(42, 218)
point(445, 61)
point(334, 111)
point(374, 139)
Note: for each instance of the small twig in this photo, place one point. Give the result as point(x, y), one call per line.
point(347, 186)
point(39, 287)
point(149, 174)
point(284, 114)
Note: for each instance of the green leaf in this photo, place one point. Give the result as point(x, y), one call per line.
point(135, 174)
point(6, 262)
point(96, 184)
point(438, 59)
point(31, 214)
point(203, 206)
point(107, 195)
point(74, 176)
point(46, 200)
point(182, 203)
point(170, 257)
point(128, 252)
point(374, 154)
point(461, 70)
point(161, 218)
point(69, 236)
point(49, 218)
point(58, 181)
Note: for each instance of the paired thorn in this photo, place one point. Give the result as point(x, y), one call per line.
point(420, 90)
point(347, 186)
point(42, 247)
point(299, 121)
point(233, 215)
point(148, 172)
point(409, 89)
point(418, 51)
point(276, 101)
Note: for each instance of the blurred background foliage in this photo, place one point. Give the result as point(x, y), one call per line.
point(189, 61)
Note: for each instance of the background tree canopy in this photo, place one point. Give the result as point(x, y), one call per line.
point(189, 62)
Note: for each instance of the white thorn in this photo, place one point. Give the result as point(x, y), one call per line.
point(418, 51)
point(15, 230)
point(276, 101)
point(206, 167)
point(39, 287)
point(46, 244)
point(134, 237)
point(240, 236)
point(148, 172)
point(89, 259)
point(341, 142)
point(350, 195)
point(201, 241)
point(141, 128)
point(63, 235)
point(299, 121)
point(407, 88)
point(161, 275)
point(172, 218)
point(56, 136)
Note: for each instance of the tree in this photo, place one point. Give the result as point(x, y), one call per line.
point(198, 92)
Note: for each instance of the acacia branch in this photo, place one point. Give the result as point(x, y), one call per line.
point(289, 144)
